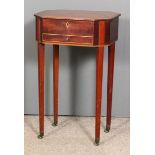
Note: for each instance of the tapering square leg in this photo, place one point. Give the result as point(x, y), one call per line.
point(41, 87)
point(111, 53)
point(99, 74)
point(55, 81)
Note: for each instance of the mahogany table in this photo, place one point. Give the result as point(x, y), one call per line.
point(77, 28)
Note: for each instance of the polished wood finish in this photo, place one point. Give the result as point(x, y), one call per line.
point(55, 81)
point(77, 28)
point(111, 54)
point(78, 14)
point(67, 39)
point(52, 28)
point(59, 26)
point(99, 74)
point(41, 86)
point(38, 29)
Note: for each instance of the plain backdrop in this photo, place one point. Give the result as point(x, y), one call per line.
point(77, 64)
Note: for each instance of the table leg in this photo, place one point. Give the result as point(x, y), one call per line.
point(41, 87)
point(111, 53)
point(55, 81)
point(99, 73)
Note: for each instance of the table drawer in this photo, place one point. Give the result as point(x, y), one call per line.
point(67, 39)
point(71, 27)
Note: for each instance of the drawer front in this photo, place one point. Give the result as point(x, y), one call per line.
point(67, 39)
point(69, 27)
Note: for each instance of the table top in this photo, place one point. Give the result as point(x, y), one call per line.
point(78, 14)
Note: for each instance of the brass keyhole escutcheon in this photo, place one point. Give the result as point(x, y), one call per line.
point(67, 25)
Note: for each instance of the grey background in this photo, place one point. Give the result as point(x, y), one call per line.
point(77, 64)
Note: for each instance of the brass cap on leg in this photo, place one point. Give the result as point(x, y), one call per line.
point(55, 124)
point(40, 136)
point(107, 129)
point(97, 141)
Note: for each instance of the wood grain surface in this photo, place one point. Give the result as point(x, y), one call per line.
point(78, 14)
point(41, 57)
point(77, 28)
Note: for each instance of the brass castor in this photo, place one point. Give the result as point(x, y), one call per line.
point(55, 124)
point(107, 129)
point(97, 141)
point(40, 136)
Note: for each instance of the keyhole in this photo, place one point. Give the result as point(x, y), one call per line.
point(67, 25)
